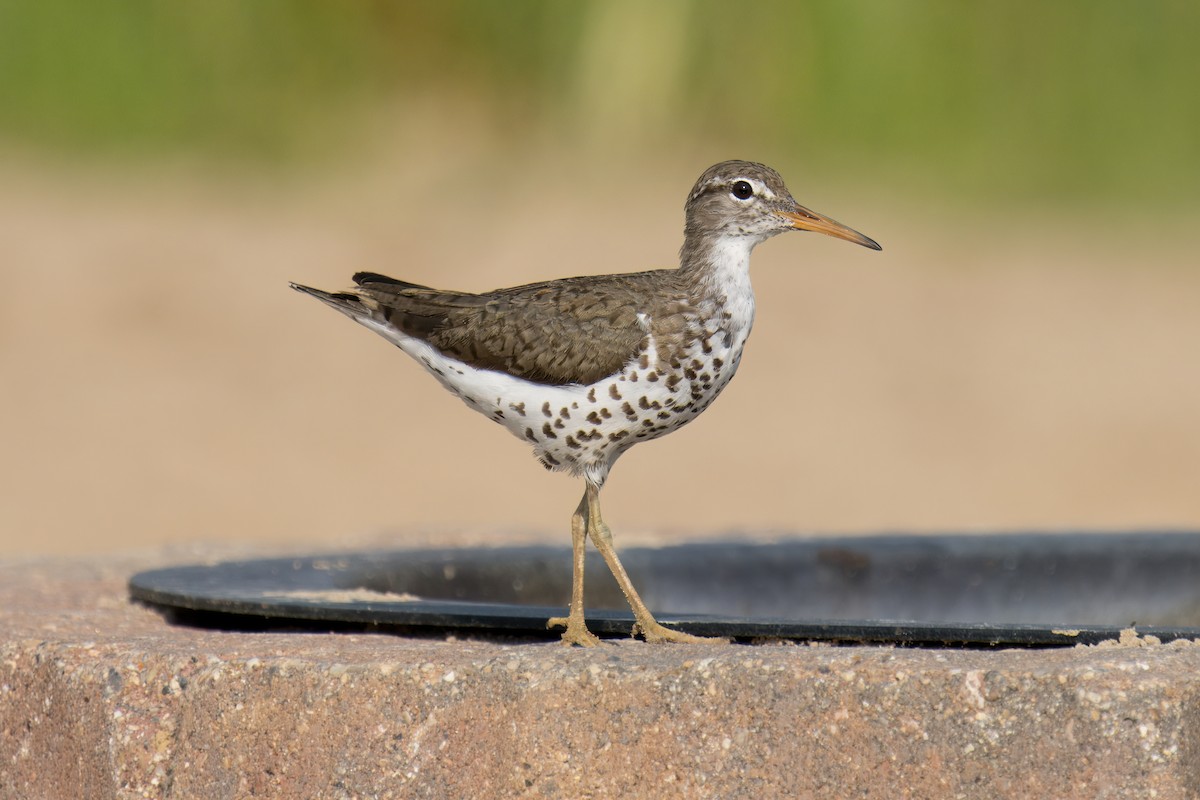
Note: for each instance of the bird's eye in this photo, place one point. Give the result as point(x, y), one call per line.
point(742, 190)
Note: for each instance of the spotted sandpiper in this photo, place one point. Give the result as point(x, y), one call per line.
point(584, 368)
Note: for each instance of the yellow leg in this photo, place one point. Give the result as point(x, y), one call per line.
point(601, 537)
point(576, 629)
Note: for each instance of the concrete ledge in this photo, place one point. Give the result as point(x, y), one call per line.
point(100, 698)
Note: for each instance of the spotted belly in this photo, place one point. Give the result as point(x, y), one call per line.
point(585, 428)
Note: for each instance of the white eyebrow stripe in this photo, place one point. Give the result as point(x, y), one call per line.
point(760, 188)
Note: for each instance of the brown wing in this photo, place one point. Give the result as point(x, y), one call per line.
point(574, 330)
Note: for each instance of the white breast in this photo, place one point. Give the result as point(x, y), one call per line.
point(730, 280)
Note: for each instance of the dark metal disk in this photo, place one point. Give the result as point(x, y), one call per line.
point(981, 590)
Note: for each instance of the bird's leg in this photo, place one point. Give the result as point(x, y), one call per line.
point(601, 536)
point(576, 629)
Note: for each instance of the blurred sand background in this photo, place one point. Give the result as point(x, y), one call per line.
point(1024, 353)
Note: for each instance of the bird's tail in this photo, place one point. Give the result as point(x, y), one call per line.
point(349, 303)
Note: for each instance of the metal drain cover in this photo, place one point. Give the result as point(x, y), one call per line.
point(982, 590)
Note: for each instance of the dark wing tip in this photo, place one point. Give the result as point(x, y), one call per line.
point(363, 278)
point(371, 277)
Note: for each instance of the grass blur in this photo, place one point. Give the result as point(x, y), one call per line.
point(1073, 101)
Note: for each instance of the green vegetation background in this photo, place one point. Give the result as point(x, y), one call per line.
point(1073, 100)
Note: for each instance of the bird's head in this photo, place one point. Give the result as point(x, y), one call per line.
point(745, 199)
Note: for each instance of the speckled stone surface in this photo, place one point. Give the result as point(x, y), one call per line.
point(100, 698)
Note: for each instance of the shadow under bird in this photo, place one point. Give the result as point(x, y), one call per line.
point(584, 368)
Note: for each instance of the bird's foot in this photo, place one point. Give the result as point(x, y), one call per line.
point(576, 632)
point(653, 632)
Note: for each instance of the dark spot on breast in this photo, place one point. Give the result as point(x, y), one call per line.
point(647, 423)
point(604, 412)
point(690, 374)
point(633, 376)
point(673, 380)
point(697, 364)
point(498, 414)
point(529, 435)
point(549, 432)
point(704, 376)
point(652, 376)
point(570, 440)
point(629, 412)
point(594, 418)
point(471, 400)
point(546, 409)
point(612, 392)
point(644, 402)
point(644, 361)
point(550, 461)
point(706, 345)
point(718, 363)
point(664, 415)
point(674, 363)
point(558, 423)
point(618, 436)
point(592, 394)
point(518, 407)
point(439, 373)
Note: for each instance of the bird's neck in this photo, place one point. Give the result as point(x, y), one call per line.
point(717, 263)
point(717, 268)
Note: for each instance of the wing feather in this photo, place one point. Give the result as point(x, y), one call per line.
point(568, 331)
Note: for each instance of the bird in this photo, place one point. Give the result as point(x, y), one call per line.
point(584, 368)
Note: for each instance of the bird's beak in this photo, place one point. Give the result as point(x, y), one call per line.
point(803, 219)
